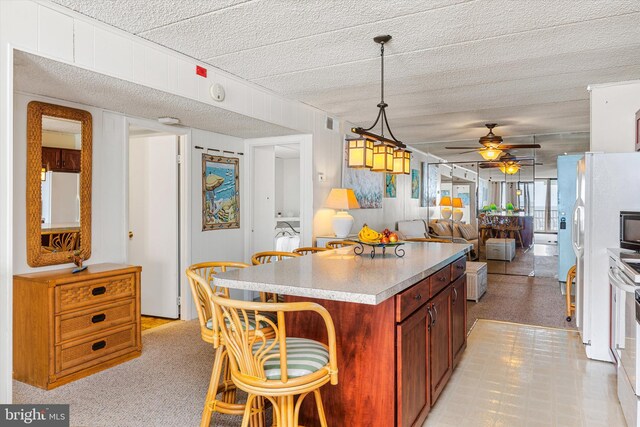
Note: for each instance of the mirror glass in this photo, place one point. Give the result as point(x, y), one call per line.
point(59, 141)
point(60, 184)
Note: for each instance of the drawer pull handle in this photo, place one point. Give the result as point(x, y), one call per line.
point(98, 318)
point(442, 278)
point(460, 267)
point(418, 297)
point(98, 345)
point(455, 296)
point(98, 291)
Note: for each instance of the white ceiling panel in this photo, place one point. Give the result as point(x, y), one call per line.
point(454, 26)
point(137, 16)
point(263, 23)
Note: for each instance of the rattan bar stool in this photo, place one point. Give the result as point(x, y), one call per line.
point(202, 288)
point(277, 369)
point(266, 258)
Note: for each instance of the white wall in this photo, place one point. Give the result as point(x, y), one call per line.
point(290, 187)
point(65, 197)
point(613, 112)
point(220, 245)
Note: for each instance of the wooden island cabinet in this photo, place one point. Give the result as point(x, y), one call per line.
point(394, 358)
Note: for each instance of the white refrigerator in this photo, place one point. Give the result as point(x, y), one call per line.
point(607, 183)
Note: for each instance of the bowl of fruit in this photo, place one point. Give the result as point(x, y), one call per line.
point(374, 239)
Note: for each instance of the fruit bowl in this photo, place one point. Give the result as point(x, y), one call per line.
point(359, 248)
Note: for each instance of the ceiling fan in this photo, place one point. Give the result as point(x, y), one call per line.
point(509, 164)
point(492, 146)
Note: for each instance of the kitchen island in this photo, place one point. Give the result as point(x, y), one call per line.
point(400, 325)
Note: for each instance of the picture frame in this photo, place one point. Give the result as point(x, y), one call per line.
point(220, 192)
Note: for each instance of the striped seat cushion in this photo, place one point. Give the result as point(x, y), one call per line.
point(252, 320)
point(304, 357)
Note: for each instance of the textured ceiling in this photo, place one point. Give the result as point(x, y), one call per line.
point(40, 76)
point(452, 64)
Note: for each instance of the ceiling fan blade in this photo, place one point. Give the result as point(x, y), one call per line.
point(510, 147)
point(464, 148)
point(488, 165)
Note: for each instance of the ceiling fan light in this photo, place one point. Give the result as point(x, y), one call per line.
point(509, 168)
point(360, 153)
point(490, 153)
point(382, 158)
point(401, 162)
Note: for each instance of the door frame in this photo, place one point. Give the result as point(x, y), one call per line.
point(305, 142)
point(184, 204)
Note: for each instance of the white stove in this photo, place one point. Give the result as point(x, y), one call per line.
point(624, 279)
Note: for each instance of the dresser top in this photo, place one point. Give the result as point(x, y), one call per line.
point(93, 270)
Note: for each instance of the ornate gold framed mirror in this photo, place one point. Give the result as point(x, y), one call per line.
point(59, 157)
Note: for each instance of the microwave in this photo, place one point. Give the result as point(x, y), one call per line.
point(630, 230)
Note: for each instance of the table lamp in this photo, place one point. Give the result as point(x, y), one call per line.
point(457, 211)
point(342, 199)
point(445, 209)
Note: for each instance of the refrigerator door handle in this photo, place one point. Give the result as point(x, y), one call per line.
point(575, 231)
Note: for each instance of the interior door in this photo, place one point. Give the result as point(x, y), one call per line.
point(264, 208)
point(153, 221)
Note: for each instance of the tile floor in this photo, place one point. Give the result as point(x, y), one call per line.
point(520, 375)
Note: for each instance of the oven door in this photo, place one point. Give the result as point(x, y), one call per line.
point(627, 349)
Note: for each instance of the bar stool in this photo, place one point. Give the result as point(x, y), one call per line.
point(202, 288)
point(266, 258)
point(309, 250)
point(279, 368)
point(571, 307)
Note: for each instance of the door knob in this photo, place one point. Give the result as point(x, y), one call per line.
point(131, 235)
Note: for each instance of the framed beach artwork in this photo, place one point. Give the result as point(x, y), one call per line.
point(415, 184)
point(390, 185)
point(220, 192)
point(368, 186)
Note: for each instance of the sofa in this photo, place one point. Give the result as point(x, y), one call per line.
point(459, 233)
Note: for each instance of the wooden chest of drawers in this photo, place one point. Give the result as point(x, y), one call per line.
point(68, 326)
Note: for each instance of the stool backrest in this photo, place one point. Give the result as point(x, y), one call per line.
point(202, 288)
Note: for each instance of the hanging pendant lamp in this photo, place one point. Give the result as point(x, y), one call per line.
point(390, 154)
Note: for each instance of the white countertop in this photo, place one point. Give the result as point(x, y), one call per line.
point(340, 275)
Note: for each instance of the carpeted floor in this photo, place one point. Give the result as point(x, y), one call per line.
point(165, 387)
point(521, 299)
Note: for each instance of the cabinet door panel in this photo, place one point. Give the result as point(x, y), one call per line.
point(440, 343)
point(51, 158)
point(458, 318)
point(412, 369)
point(70, 160)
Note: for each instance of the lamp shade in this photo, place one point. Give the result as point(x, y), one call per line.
point(457, 202)
point(401, 162)
point(445, 201)
point(382, 158)
point(342, 198)
point(360, 153)
point(490, 153)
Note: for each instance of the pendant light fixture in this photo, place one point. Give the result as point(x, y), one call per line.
point(360, 153)
point(390, 154)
